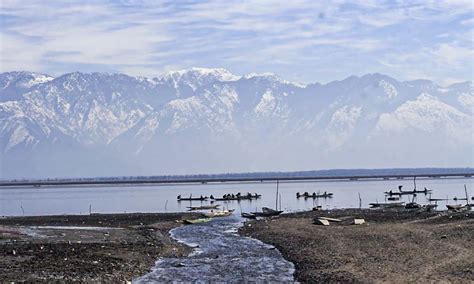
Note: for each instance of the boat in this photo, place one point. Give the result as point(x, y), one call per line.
point(412, 205)
point(248, 215)
point(306, 195)
point(204, 207)
point(393, 198)
point(201, 198)
point(400, 192)
point(222, 213)
point(387, 205)
point(459, 207)
point(237, 197)
point(267, 212)
point(196, 221)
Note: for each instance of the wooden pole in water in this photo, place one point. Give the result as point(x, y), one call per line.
point(280, 200)
point(166, 205)
point(467, 197)
point(360, 202)
point(414, 182)
point(276, 202)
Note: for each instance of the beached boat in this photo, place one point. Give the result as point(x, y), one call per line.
point(387, 205)
point(248, 215)
point(222, 213)
point(267, 212)
point(204, 207)
point(196, 221)
point(459, 207)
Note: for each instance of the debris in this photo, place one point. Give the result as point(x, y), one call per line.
point(444, 237)
point(330, 219)
point(358, 222)
point(321, 222)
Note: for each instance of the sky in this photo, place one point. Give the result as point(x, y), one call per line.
point(302, 41)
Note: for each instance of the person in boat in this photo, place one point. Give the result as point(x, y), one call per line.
point(297, 195)
point(314, 194)
point(202, 197)
point(249, 195)
point(212, 197)
point(306, 193)
point(256, 195)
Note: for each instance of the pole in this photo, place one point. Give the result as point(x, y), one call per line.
point(276, 202)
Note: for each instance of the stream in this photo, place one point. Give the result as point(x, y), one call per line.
point(221, 255)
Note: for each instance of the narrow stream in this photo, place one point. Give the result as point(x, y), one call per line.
point(221, 255)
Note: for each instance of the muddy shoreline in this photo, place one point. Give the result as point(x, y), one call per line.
point(394, 246)
point(100, 248)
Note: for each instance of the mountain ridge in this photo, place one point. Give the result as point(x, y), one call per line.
point(199, 115)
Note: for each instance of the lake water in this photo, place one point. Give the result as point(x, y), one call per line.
point(162, 198)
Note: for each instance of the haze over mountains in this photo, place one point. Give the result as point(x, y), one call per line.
point(210, 120)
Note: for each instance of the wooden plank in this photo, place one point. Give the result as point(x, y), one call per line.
point(330, 219)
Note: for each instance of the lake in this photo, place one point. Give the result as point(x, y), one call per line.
point(162, 198)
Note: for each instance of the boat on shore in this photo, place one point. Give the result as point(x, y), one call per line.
point(222, 213)
point(204, 207)
point(387, 205)
point(248, 215)
point(196, 221)
point(267, 212)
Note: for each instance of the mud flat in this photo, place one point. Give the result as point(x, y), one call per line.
point(86, 248)
point(393, 246)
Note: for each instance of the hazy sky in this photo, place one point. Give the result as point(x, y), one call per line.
point(304, 41)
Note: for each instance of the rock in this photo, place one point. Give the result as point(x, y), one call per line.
point(444, 237)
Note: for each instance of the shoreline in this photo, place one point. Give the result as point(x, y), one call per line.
point(394, 245)
point(91, 248)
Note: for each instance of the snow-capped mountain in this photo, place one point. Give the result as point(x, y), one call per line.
point(210, 120)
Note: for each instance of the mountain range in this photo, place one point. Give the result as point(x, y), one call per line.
point(204, 120)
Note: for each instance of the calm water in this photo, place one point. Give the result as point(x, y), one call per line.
point(118, 199)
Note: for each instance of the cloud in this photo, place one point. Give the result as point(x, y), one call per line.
point(292, 37)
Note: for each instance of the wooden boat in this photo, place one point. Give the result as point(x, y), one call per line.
point(196, 221)
point(314, 195)
point(248, 215)
point(393, 198)
point(387, 205)
point(459, 207)
point(267, 212)
point(412, 205)
point(237, 197)
point(204, 207)
point(222, 213)
point(400, 192)
point(202, 198)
